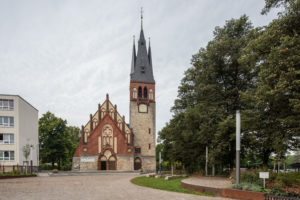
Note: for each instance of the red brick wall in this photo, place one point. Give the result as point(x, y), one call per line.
point(230, 193)
point(92, 141)
point(134, 84)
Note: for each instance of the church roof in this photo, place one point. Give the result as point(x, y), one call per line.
point(141, 64)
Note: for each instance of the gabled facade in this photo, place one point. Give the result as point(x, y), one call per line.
point(106, 141)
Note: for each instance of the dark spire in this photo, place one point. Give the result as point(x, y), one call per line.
point(133, 59)
point(143, 64)
point(149, 55)
point(141, 18)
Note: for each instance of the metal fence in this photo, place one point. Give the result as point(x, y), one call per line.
point(21, 168)
point(270, 197)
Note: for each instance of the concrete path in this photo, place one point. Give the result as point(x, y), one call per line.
point(214, 182)
point(88, 187)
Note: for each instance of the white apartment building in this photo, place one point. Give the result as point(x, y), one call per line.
point(18, 127)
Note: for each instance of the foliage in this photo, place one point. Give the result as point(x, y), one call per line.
point(16, 173)
point(247, 186)
point(288, 179)
point(255, 70)
point(173, 185)
point(277, 191)
point(58, 142)
point(208, 98)
point(47, 166)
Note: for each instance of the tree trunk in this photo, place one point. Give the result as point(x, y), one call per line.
point(274, 169)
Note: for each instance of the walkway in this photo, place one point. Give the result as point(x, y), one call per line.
point(88, 187)
point(214, 182)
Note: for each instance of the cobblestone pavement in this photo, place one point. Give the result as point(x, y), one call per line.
point(90, 187)
point(215, 182)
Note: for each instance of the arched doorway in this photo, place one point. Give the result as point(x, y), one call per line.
point(137, 163)
point(112, 163)
point(107, 164)
point(102, 163)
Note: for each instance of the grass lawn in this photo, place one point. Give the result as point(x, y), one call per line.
point(173, 185)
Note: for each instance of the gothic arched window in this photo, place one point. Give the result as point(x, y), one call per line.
point(150, 94)
point(134, 95)
point(140, 92)
point(145, 93)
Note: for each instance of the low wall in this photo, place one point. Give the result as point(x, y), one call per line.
point(17, 176)
point(224, 192)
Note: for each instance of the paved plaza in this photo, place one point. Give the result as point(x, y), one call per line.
point(87, 187)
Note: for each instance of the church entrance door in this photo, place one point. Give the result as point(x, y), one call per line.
point(137, 163)
point(112, 163)
point(103, 165)
point(107, 164)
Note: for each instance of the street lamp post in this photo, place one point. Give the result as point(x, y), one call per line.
point(238, 146)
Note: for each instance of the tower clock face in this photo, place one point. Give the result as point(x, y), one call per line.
point(142, 108)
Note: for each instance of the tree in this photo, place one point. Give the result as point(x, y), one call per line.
point(274, 114)
point(57, 141)
point(26, 151)
point(208, 97)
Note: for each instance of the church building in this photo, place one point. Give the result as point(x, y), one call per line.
point(107, 142)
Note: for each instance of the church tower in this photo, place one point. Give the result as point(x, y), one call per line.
point(142, 105)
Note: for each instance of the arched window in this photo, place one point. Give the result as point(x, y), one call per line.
point(140, 92)
point(134, 95)
point(145, 93)
point(150, 94)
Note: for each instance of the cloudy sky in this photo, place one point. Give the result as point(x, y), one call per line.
point(63, 56)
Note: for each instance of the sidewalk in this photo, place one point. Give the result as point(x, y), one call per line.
point(213, 182)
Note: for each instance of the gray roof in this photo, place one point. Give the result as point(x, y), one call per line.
point(141, 64)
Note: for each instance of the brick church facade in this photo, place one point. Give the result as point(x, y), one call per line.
point(107, 142)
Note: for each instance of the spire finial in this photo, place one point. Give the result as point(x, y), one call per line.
point(133, 39)
point(142, 17)
point(149, 41)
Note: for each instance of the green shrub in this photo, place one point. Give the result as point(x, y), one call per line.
point(277, 191)
point(288, 179)
point(247, 186)
point(46, 166)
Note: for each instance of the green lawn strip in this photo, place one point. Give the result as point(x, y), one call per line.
point(173, 185)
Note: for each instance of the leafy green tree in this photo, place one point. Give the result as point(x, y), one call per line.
point(209, 96)
point(57, 141)
point(274, 114)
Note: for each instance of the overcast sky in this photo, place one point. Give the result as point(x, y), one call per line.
point(64, 56)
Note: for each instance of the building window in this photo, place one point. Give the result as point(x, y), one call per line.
point(150, 94)
point(6, 138)
point(145, 93)
point(149, 146)
point(137, 150)
point(7, 155)
point(6, 104)
point(140, 92)
point(149, 130)
point(7, 121)
point(134, 93)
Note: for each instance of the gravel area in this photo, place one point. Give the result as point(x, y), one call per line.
point(214, 182)
point(89, 187)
